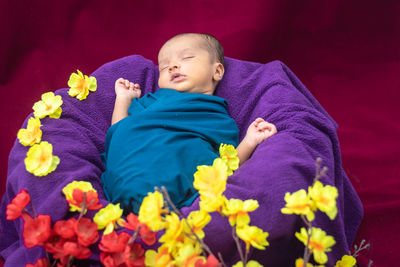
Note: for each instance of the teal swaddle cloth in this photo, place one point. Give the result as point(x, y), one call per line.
point(165, 137)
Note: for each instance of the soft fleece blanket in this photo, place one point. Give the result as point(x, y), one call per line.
point(283, 163)
point(167, 135)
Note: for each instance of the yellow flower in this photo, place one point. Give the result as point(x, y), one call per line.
point(248, 264)
point(324, 198)
point(197, 221)
point(158, 259)
point(188, 255)
point(151, 210)
point(69, 189)
point(237, 210)
point(108, 218)
point(319, 243)
point(228, 154)
point(254, 236)
point(346, 261)
point(210, 181)
point(32, 134)
point(80, 85)
point(50, 105)
point(173, 232)
point(300, 263)
point(298, 203)
point(212, 203)
point(40, 159)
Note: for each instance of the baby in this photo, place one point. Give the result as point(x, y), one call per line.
point(159, 139)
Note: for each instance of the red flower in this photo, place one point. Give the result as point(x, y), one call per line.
point(132, 222)
point(42, 262)
point(86, 231)
point(211, 262)
point(147, 236)
point(36, 230)
point(114, 242)
point(13, 212)
point(92, 199)
point(112, 259)
point(17, 205)
point(65, 228)
point(113, 246)
point(55, 245)
point(76, 250)
point(134, 255)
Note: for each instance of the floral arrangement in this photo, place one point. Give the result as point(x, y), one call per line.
point(181, 244)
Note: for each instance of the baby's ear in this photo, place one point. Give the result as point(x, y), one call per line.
point(218, 72)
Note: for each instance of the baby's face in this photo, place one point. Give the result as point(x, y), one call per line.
point(186, 66)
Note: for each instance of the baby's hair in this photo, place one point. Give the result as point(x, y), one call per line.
point(212, 45)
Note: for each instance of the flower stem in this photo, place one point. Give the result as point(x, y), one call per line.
point(307, 251)
point(134, 236)
point(84, 207)
point(237, 241)
point(70, 259)
point(33, 210)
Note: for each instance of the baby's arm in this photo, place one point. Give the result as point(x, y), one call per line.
point(125, 92)
point(258, 131)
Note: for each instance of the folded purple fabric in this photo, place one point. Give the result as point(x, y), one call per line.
point(283, 163)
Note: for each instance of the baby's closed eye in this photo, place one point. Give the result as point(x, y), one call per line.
point(187, 57)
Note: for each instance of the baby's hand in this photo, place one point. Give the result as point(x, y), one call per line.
point(126, 89)
point(258, 131)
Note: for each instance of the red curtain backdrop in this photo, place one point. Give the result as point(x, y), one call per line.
point(346, 52)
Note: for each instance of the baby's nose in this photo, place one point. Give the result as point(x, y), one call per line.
point(173, 66)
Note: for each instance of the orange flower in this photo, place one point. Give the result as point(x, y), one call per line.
point(17, 205)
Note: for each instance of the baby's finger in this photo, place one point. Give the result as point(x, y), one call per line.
point(263, 125)
point(258, 120)
point(272, 128)
point(120, 80)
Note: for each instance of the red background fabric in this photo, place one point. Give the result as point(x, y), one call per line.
point(346, 52)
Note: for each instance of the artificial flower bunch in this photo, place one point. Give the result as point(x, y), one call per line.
point(182, 242)
point(66, 240)
point(306, 203)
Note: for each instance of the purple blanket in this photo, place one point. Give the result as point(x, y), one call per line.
point(283, 163)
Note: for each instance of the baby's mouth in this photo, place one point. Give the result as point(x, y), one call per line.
point(177, 77)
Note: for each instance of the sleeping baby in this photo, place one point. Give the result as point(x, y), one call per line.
point(159, 139)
